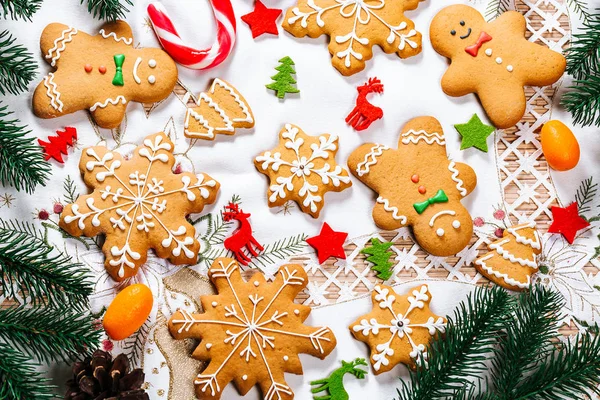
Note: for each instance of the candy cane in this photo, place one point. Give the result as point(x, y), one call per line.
point(188, 56)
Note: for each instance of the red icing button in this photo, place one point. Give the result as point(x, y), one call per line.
point(102, 69)
point(422, 189)
point(414, 178)
point(88, 68)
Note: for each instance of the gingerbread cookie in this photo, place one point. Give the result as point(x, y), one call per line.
point(512, 260)
point(493, 60)
point(101, 73)
point(220, 110)
point(251, 332)
point(139, 204)
point(418, 186)
point(399, 328)
point(355, 27)
point(302, 169)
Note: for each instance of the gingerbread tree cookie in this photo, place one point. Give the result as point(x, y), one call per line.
point(512, 260)
point(418, 186)
point(302, 168)
point(355, 26)
point(399, 328)
point(493, 60)
point(139, 204)
point(100, 73)
point(251, 332)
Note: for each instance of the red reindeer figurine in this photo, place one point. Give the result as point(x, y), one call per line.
point(365, 113)
point(242, 237)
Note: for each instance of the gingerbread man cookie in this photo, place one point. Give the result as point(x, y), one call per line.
point(493, 60)
point(139, 204)
point(418, 186)
point(355, 26)
point(100, 73)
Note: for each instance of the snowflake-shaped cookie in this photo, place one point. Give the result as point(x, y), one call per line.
point(302, 168)
point(251, 332)
point(139, 204)
point(398, 328)
point(355, 26)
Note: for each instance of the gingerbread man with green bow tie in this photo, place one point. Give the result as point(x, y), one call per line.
point(100, 73)
point(418, 186)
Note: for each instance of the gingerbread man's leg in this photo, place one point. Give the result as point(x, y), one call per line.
point(109, 113)
point(503, 109)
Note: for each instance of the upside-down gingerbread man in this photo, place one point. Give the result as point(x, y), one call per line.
point(101, 73)
point(493, 60)
point(418, 186)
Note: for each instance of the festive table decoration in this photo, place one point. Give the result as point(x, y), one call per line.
point(399, 328)
point(251, 332)
point(186, 55)
point(474, 134)
point(111, 10)
point(365, 113)
point(354, 28)
point(18, 66)
point(513, 259)
point(328, 243)
point(567, 221)
point(302, 168)
point(559, 145)
point(139, 204)
point(284, 82)
point(379, 254)
point(242, 238)
point(128, 311)
point(262, 19)
point(221, 109)
point(332, 387)
point(56, 146)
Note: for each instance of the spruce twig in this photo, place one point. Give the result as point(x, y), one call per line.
point(281, 249)
point(18, 377)
point(585, 195)
point(109, 10)
point(17, 66)
point(17, 9)
point(584, 54)
point(495, 8)
point(580, 8)
point(583, 100)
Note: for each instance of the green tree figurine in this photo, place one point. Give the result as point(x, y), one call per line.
point(284, 81)
point(333, 386)
point(379, 254)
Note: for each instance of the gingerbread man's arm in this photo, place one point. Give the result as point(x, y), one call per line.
point(464, 177)
point(119, 31)
point(456, 82)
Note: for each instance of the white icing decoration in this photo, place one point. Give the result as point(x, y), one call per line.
point(439, 214)
point(114, 102)
point(456, 224)
point(508, 256)
point(297, 312)
point(208, 346)
point(191, 113)
point(256, 283)
point(509, 68)
point(505, 277)
point(152, 63)
point(53, 93)
point(62, 40)
point(243, 105)
point(370, 159)
point(116, 38)
point(244, 377)
point(152, 79)
point(440, 232)
point(488, 52)
point(413, 136)
point(498, 60)
point(394, 210)
point(285, 358)
point(135, 67)
point(522, 239)
point(214, 304)
point(459, 183)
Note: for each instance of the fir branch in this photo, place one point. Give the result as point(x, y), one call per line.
point(495, 8)
point(31, 266)
point(22, 163)
point(584, 53)
point(18, 377)
point(580, 8)
point(49, 333)
point(280, 250)
point(133, 346)
point(17, 66)
point(109, 10)
point(583, 100)
point(585, 194)
point(17, 9)
point(70, 188)
point(461, 354)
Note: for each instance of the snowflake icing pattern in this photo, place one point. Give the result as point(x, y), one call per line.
point(139, 204)
point(355, 26)
point(302, 169)
point(398, 328)
point(251, 331)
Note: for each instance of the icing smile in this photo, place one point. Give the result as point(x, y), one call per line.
point(467, 35)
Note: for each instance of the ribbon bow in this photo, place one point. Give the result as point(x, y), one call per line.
point(118, 79)
point(440, 197)
point(474, 48)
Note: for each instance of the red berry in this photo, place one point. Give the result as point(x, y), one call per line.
point(499, 214)
point(43, 215)
point(499, 232)
point(178, 169)
point(478, 222)
point(58, 208)
point(107, 345)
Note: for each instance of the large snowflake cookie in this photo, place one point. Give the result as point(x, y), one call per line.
point(139, 204)
point(418, 186)
point(302, 169)
point(100, 73)
point(399, 328)
point(355, 26)
point(512, 259)
point(251, 332)
point(494, 60)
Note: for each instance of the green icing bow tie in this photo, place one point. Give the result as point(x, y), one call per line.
point(440, 197)
point(118, 79)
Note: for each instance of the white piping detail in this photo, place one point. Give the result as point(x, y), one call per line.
point(114, 102)
point(244, 106)
point(522, 239)
point(135, 67)
point(505, 277)
point(413, 136)
point(53, 93)
point(375, 152)
point(63, 39)
point(507, 256)
point(459, 183)
point(445, 212)
point(115, 37)
point(392, 209)
point(202, 121)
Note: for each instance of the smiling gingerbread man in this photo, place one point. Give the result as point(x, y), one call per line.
point(493, 60)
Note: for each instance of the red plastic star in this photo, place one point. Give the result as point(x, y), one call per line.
point(328, 243)
point(262, 19)
point(567, 221)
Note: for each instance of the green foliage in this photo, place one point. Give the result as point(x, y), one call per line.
point(495, 8)
point(17, 66)
point(281, 249)
point(379, 254)
point(583, 101)
point(109, 10)
point(585, 195)
point(18, 378)
point(332, 387)
point(580, 7)
point(284, 81)
point(19, 9)
point(70, 189)
point(22, 163)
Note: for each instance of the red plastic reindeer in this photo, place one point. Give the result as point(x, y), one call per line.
point(365, 113)
point(242, 237)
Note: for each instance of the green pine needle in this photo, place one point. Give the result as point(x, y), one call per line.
point(583, 100)
point(580, 7)
point(17, 66)
point(22, 163)
point(495, 8)
point(280, 250)
point(17, 9)
point(30, 265)
point(109, 10)
point(18, 378)
point(585, 195)
point(70, 188)
point(48, 333)
point(583, 57)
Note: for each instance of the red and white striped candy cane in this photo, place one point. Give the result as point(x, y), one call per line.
point(188, 56)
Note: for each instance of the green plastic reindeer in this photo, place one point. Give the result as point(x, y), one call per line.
point(334, 384)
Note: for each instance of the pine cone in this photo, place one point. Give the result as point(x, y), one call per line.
point(102, 378)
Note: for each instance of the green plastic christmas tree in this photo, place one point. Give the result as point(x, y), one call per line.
point(379, 254)
point(284, 81)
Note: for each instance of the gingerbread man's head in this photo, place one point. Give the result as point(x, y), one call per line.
point(418, 186)
point(454, 28)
